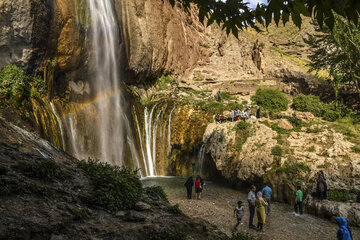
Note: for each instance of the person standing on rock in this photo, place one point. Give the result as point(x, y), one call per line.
point(251, 200)
point(321, 186)
point(298, 201)
point(267, 192)
point(258, 112)
point(198, 188)
point(260, 205)
point(219, 96)
point(232, 115)
point(344, 232)
point(189, 184)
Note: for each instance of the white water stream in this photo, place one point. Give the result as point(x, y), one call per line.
point(169, 130)
point(202, 154)
point(60, 125)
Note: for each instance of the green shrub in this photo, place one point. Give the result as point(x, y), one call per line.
point(338, 195)
point(276, 150)
point(240, 142)
point(330, 115)
point(241, 236)
point(213, 106)
point(355, 149)
point(270, 99)
point(227, 96)
point(308, 103)
point(115, 188)
point(163, 82)
point(156, 193)
point(294, 168)
point(44, 169)
point(241, 125)
point(14, 85)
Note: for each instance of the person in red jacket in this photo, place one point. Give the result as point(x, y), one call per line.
point(198, 188)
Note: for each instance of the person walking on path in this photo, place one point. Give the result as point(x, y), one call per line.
point(198, 188)
point(189, 185)
point(219, 96)
point(344, 232)
point(239, 212)
point(321, 186)
point(251, 200)
point(298, 201)
point(267, 192)
point(260, 205)
point(258, 112)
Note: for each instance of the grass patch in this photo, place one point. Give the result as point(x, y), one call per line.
point(242, 125)
point(276, 151)
point(11, 187)
point(115, 188)
point(311, 149)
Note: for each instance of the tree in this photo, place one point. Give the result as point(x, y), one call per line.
point(236, 14)
point(337, 50)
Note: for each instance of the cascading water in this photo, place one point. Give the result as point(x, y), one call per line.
point(148, 141)
point(202, 155)
point(60, 125)
point(141, 146)
point(73, 137)
point(169, 130)
point(106, 42)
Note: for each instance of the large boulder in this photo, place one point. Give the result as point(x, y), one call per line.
point(304, 116)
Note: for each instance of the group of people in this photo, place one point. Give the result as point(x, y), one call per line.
point(236, 115)
point(199, 183)
point(260, 203)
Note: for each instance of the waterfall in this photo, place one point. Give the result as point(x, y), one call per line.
point(202, 154)
point(169, 131)
point(73, 137)
point(154, 137)
point(149, 140)
point(112, 121)
point(60, 125)
point(141, 146)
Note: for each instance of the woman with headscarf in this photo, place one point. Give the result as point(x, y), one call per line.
point(260, 204)
point(189, 184)
point(321, 186)
point(344, 232)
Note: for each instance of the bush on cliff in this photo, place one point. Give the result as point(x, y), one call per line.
point(272, 100)
point(115, 188)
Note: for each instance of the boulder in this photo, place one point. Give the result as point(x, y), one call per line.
point(284, 124)
point(304, 116)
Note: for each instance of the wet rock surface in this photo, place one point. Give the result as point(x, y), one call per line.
point(61, 207)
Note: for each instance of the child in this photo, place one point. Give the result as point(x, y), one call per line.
point(198, 188)
point(298, 200)
point(260, 205)
point(239, 212)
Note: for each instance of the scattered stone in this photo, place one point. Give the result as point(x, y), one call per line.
point(134, 216)
point(120, 214)
point(284, 124)
point(141, 206)
point(304, 116)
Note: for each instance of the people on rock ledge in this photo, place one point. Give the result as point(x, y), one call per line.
point(236, 115)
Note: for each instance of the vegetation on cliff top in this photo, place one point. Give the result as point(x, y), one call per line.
point(272, 100)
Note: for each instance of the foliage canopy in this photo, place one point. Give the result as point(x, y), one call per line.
point(236, 14)
point(269, 99)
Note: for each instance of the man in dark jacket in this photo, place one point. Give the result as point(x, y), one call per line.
point(189, 184)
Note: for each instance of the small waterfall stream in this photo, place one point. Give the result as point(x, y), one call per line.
point(169, 131)
point(202, 155)
point(60, 125)
point(73, 137)
point(141, 146)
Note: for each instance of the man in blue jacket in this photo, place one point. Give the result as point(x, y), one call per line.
point(344, 232)
point(267, 192)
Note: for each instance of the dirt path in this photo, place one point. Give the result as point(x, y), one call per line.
point(217, 207)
